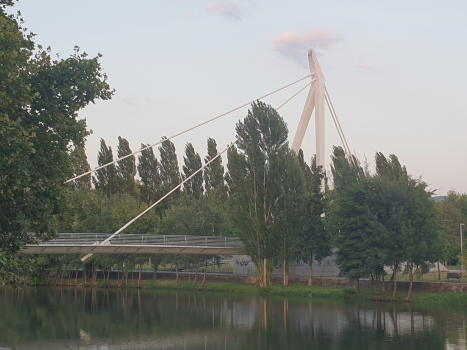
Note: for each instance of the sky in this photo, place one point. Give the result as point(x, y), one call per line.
point(395, 70)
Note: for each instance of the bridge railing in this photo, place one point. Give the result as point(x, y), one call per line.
point(86, 239)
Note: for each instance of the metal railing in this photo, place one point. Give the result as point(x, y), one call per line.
point(87, 239)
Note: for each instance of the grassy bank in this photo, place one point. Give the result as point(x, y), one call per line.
point(424, 299)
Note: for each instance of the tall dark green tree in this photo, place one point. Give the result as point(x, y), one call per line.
point(169, 170)
point(315, 240)
point(148, 170)
point(214, 172)
point(349, 219)
point(80, 165)
point(39, 102)
point(257, 190)
point(126, 168)
point(192, 160)
point(106, 179)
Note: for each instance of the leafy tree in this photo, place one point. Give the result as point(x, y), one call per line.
point(194, 186)
point(315, 240)
point(169, 171)
point(290, 215)
point(106, 179)
point(450, 218)
point(126, 168)
point(80, 165)
point(214, 172)
point(256, 185)
point(148, 170)
point(351, 222)
point(39, 101)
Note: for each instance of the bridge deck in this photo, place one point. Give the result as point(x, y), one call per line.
point(84, 243)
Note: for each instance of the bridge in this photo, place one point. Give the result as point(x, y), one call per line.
point(104, 243)
point(89, 244)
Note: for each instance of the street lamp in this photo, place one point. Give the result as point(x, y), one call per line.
point(462, 260)
point(460, 229)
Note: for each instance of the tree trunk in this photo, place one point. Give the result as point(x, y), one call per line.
point(265, 282)
point(85, 272)
point(395, 282)
point(310, 276)
point(108, 274)
point(154, 276)
point(76, 277)
point(139, 275)
point(196, 273)
point(176, 270)
point(286, 276)
point(118, 276)
point(391, 281)
point(439, 273)
point(205, 270)
point(358, 286)
point(409, 294)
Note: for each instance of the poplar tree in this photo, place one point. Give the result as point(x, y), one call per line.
point(259, 184)
point(148, 170)
point(126, 168)
point(315, 240)
point(349, 218)
point(192, 160)
point(105, 179)
point(80, 165)
point(214, 172)
point(169, 171)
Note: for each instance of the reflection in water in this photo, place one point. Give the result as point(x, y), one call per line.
point(77, 318)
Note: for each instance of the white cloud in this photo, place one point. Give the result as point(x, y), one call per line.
point(296, 46)
point(188, 13)
point(225, 8)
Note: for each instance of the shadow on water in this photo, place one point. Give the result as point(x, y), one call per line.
point(77, 318)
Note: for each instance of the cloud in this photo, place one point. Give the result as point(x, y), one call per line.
point(188, 13)
point(296, 46)
point(225, 8)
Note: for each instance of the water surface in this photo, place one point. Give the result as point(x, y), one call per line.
point(91, 318)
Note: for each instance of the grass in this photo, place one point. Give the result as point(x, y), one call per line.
point(302, 291)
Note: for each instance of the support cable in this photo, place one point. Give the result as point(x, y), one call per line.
point(160, 200)
point(339, 128)
point(189, 129)
point(282, 105)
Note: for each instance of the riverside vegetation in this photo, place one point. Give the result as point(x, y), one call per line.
point(270, 197)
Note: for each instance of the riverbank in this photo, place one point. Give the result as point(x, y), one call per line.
point(425, 299)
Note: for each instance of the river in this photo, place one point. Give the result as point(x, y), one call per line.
point(92, 318)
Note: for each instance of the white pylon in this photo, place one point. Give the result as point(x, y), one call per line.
point(314, 101)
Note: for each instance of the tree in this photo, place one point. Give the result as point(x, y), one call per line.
point(80, 164)
point(349, 218)
point(39, 101)
point(450, 217)
point(256, 186)
point(169, 171)
point(315, 240)
point(126, 168)
point(148, 170)
point(214, 172)
point(194, 186)
point(106, 179)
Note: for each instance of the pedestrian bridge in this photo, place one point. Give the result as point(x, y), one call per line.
point(105, 243)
